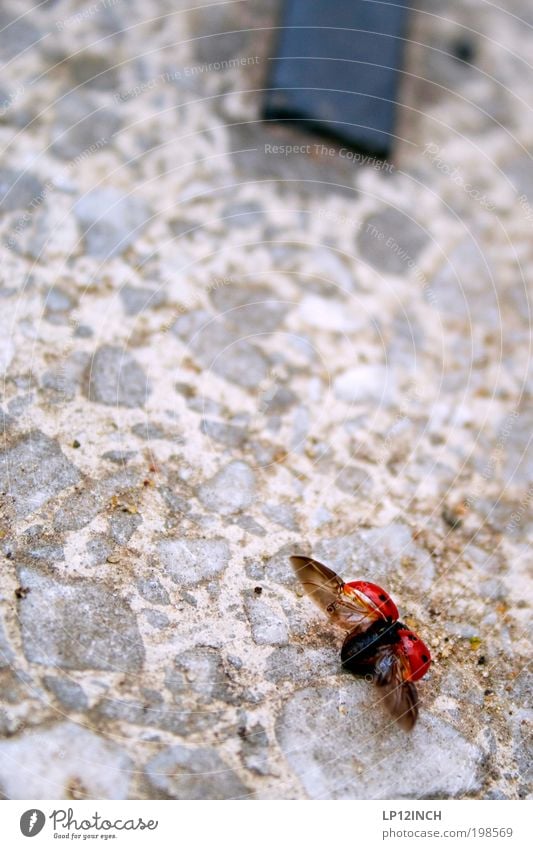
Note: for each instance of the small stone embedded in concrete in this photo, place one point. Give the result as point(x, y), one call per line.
point(33, 471)
point(466, 286)
point(434, 756)
point(189, 561)
point(268, 626)
point(115, 378)
point(230, 490)
point(6, 653)
point(148, 430)
point(37, 545)
point(223, 352)
point(152, 590)
point(175, 720)
point(220, 349)
point(17, 34)
point(378, 552)
point(278, 402)
point(119, 456)
point(391, 241)
point(54, 761)
point(83, 331)
point(58, 300)
point(226, 434)
point(156, 618)
point(123, 525)
point(82, 125)
point(110, 221)
point(218, 37)
point(248, 310)
point(18, 189)
point(93, 71)
point(78, 510)
point(98, 549)
point(518, 463)
point(191, 323)
point(67, 692)
point(137, 299)
point(77, 625)
point(281, 514)
point(240, 363)
point(255, 748)
point(303, 664)
point(242, 214)
point(331, 315)
point(354, 480)
point(248, 524)
point(365, 384)
point(188, 773)
point(200, 670)
point(520, 173)
point(276, 568)
point(67, 378)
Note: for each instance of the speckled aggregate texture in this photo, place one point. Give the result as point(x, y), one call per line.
point(223, 341)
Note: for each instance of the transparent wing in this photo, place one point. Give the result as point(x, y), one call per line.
point(345, 606)
point(400, 695)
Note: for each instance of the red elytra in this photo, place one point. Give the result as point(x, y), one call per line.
point(378, 596)
point(416, 652)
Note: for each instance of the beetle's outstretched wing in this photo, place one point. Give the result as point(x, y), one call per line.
point(344, 605)
point(400, 694)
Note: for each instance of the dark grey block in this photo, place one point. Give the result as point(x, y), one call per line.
point(336, 70)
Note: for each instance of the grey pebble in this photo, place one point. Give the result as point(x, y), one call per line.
point(115, 378)
point(148, 430)
point(248, 524)
point(123, 525)
point(99, 548)
point(189, 561)
point(268, 627)
point(77, 625)
point(67, 378)
point(440, 760)
point(281, 514)
point(152, 590)
point(93, 71)
point(221, 350)
point(230, 490)
point(18, 189)
point(242, 214)
point(248, 310)
point(78, 510)
point(226, 434)
point(82, 126)
point(17, 33)
point(68, 692)
point(156, 618)
point(390, 239)
point(118, 456)
point(190, 773)
point(58, 299)
point(465, 286)
point(110, 221)
point(136, 299)
point(35, 470)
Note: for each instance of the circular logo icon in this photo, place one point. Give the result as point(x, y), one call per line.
point(32, 822)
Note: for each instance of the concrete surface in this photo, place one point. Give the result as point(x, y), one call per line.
point(217, 351)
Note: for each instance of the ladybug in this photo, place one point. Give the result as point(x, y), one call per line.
point(378, 645)
point(378, 597)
